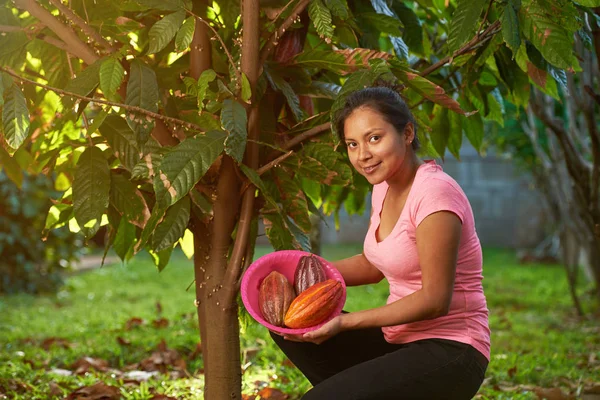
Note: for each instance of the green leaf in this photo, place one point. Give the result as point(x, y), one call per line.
point(167, 5)
point(111, 77)
point(11, 167)
point(301, 238)
point(413, 32)
point(83, 84)
point(321, 18)
point(588, 3)
point(164, 31)
point(307, 167)
point(381, 22)
point(205, 78)
point(440, 132)
point(161, 258)
point(260, 185)
point(339, 8)
point(173, 225)
point(235, 121)
point(510, 27)
point(155, 217)
point(549, 33)
point(279, 234)
point(464, 22)
point(185, 34)
point(321, 59)
point(125, 240)
point(230, 12)
point(121, 140)
point(142, 91)
point(339, 172)
point(456, 134)
point(5, 83)
point(357, 80)
point(183, 166)
point(15, 117)
point(97, 122)
point(91, 189)
point(293, 198)
point(472, 125)
point(428, 89)
point(246, 89)
point(496, 106)
point(281, 85)
point(128, 200)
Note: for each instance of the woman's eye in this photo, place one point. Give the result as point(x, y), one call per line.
point(351, 145)
point(374, 138)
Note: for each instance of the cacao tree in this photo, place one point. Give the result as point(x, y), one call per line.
point(182, 123)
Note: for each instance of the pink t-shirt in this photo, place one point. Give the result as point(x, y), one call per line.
point(396, 257)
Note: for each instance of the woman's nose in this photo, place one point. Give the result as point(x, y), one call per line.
point(363, 153)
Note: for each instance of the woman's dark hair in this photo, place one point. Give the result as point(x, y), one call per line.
point(384, 100)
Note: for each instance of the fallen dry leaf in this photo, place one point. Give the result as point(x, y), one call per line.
point(592, 390)
point(84, 364)
point(55, 390)
point(160, 323)
point(55, 341)
point(133, 322)
point(159, 308)
point(196, 353)
point(98, 391)
point(512, 371)
point(123, 341)
point(162, 397)
point(162, 359)
point(272, 394)
point(551, 394)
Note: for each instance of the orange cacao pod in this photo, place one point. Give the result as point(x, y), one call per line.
point(309, 271)
point(274, 298)
point(314, 305)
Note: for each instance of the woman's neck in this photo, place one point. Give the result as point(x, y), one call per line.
point(400, 183)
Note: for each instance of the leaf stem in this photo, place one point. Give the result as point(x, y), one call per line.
point(139, 110)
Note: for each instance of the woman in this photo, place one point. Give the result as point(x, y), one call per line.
point(431, 340)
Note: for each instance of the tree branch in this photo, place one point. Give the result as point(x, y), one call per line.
point(105, 102)
point(250, 67)
point(76, 46)
point(485, 36)
point(272, 40)
point(486, 15)
point(77, 20)
point(200, 48)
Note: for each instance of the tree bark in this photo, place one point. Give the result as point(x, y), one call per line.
point(223, 375)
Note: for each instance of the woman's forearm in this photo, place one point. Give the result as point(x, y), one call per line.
point(357, 270)
point(417, 306)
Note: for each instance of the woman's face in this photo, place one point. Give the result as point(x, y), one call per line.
point(375, 148)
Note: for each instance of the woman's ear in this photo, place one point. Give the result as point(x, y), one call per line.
point(409, 133)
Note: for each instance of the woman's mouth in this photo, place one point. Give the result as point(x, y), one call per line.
point(371, 168)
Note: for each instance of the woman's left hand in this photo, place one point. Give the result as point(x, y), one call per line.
point(320, 335)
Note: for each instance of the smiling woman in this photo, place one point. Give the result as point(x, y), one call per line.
point(431, 340)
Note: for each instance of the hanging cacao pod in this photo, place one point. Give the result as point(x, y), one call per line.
point(314, 305)
point(309, 271)
point(275, 296)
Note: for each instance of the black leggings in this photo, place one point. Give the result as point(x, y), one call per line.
point(361, 365)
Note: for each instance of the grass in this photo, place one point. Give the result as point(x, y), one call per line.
point(537, 341)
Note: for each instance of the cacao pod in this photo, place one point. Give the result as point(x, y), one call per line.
point(314, 305)
point(309, 271)
point(274, 298)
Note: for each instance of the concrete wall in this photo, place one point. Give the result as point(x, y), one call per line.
point(507, 211)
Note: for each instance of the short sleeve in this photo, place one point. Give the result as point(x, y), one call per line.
point(439, 195)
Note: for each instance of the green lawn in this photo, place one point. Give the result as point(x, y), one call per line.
point(537, 340)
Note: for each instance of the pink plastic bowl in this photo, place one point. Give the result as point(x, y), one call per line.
point(285, 262)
